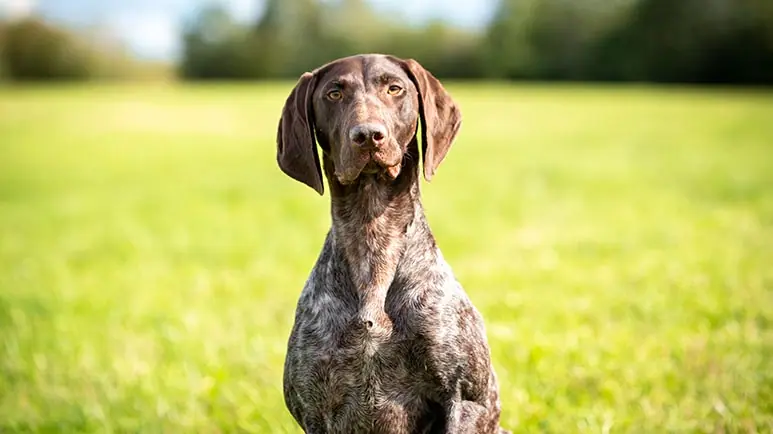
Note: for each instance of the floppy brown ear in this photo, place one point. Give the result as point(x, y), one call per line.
point(296, 148)
point(440, 116)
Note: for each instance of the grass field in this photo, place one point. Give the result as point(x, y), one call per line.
point(619, 242)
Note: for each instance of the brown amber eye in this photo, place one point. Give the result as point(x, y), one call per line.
point(395, 90)
point(335, 95)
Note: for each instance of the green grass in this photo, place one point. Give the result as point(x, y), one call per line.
point(618, 240)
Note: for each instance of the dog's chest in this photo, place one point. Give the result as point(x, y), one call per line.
point(367, 372)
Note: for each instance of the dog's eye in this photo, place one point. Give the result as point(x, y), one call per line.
point(395, 90)
point(335, 95)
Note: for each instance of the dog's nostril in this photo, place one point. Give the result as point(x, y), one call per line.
point(359, 137)
point(378, 136)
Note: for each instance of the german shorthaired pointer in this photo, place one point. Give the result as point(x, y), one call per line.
point(385, 339)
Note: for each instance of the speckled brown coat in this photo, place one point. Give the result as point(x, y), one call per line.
point(385, 339)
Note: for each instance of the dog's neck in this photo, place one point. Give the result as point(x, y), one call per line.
point(374, 221)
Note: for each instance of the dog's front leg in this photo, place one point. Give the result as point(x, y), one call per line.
point(469, 417)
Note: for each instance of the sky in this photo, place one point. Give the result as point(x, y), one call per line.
point(151, 28)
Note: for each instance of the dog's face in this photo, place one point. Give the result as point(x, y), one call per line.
point(364, 110)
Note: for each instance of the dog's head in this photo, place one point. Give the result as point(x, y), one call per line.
point(364, 111)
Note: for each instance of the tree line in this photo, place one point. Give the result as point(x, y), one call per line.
point(687, 41)
point(34, 49)
point(704, 41)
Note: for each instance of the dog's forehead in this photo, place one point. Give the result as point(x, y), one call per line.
point(348, 68)
point(360, 69)
point(378, 65)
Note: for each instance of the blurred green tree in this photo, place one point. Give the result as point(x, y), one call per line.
point(216, 47)
point(692, 41)
point(32, 49)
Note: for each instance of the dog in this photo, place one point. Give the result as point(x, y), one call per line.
point(385, 339)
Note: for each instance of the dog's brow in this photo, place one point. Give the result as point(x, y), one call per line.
point(386, 77)
point(340, 82)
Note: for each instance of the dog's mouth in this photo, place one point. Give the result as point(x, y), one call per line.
point(378, 164)
point(371, 168)
point(373, 164)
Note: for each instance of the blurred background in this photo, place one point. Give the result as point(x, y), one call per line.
point(607, 206)
point(697, 41)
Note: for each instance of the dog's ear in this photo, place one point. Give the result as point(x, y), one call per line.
point(296, 150)
point(439, 114)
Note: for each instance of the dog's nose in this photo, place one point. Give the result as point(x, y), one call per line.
point(368, 135)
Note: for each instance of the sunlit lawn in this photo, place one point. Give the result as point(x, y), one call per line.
point(619, 242)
